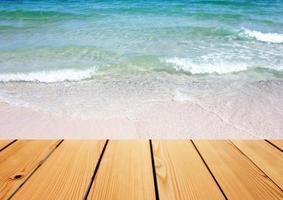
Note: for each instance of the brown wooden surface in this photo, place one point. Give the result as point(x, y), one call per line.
point(4, 143)
point(93, 169)
point(181, 174)
point(265, 156)
point(18, 161)
point(236, 174)
point(66, 174)
point(125, 172)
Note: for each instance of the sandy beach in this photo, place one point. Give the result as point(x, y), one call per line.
point(143, 107)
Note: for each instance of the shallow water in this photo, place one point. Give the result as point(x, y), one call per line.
point(38, 39)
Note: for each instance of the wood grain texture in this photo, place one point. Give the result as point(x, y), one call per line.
point(237, 175)
point(265, 156)
point(278, 143)
point(19, 161)
point(4, 143)
point(181, 173)
point(66, 174)
point(125, 172)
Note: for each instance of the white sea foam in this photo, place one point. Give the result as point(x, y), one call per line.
point(185, 64)
point(49, 76)
point(265, 37)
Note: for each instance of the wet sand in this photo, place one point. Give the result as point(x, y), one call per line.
point(26, 123)
point(151, 107)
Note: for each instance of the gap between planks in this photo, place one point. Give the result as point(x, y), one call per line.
point(125, 172)
point(267, 158)
point(237, 175)
point(66, 174)
point(5, 143)
point(278, 144)
point(181, 173)
point(19, 161)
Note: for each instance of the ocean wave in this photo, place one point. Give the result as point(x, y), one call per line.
point(49, 76)
point(187, 65)
point(264, 37)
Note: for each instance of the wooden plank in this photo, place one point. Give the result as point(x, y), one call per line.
point(181, 173)
point(19, 161)
point(125, 172)
point(278, 143)
point(265, 156)
point(66, 174)
point(237, 175)
point(4, 143)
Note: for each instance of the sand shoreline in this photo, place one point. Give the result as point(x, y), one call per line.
point(25, 123)
point(148, 106)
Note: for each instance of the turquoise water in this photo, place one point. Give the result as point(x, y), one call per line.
point(52, 41)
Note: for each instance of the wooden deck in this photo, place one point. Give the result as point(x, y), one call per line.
point(141, 169)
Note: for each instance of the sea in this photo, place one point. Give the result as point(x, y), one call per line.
point(59, 40)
